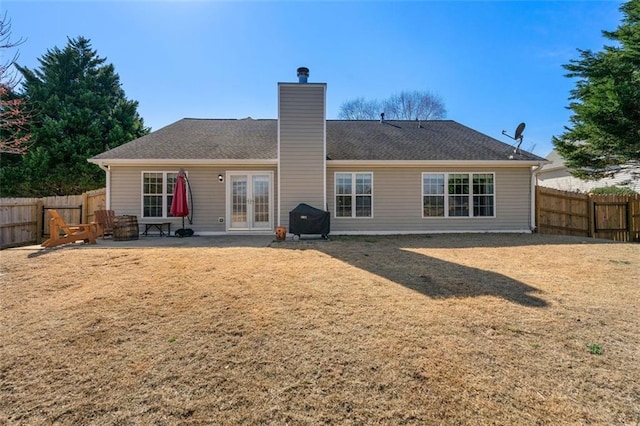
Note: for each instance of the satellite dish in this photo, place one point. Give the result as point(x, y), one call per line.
point(519, 131)
point(517, 136)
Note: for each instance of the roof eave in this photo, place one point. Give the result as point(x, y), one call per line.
point(437, 163)
point(171, 162)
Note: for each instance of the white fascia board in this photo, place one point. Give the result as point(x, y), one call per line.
point(424, 232)
point(435, 163)
point(293, 84)
point(169, 162)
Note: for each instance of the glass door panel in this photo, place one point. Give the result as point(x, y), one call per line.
point(239, 205)
point(261, 205)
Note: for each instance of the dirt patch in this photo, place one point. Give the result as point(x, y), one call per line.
point(468, 329)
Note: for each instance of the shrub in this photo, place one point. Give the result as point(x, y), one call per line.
point(613, 190)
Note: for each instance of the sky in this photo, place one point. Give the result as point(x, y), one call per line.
point(494, 63)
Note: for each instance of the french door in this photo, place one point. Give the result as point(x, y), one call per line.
point(250, 200)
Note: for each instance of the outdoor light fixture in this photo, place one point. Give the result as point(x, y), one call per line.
point(220, 178)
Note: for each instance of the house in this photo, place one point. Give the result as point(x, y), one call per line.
point(556, 175)
point(374, 177)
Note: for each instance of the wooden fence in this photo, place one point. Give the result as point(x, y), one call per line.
point(24, 220)
point(612, 217)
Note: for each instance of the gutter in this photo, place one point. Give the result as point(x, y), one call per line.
point(432, 163)
point(180, 162)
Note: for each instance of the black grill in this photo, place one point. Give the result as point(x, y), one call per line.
point(305, 219)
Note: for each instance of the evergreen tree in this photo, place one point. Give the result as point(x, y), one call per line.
point(79, 109)
point(604, 136)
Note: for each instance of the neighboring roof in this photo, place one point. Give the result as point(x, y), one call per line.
point(555, 162)
point(249, 139)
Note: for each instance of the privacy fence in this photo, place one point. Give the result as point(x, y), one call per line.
point(25, 221)
point(612, 217)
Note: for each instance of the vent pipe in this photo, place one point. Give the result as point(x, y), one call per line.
point(382, 117)
point(303, 74)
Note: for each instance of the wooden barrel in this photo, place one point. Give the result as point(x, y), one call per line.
point(281, 233)
point(125, 228)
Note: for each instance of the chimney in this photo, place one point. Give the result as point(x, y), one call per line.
point(303, 74)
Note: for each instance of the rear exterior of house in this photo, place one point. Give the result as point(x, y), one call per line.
point(374, 177)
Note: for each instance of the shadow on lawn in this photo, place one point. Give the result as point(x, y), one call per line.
point(435, 278)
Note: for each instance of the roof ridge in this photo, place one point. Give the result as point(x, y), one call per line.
point(408, 121)
point(227, 119)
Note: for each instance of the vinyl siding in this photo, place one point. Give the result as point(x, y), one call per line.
point(397, 202)
point(563, 180)
point(209, 195)
point(301, 146)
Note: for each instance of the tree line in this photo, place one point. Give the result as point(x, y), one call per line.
point(406, 105)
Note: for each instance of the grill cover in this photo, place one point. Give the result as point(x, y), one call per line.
point(305, 219)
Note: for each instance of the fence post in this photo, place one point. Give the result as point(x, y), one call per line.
point(591, 215)
point(39, 218)
point(85, 208)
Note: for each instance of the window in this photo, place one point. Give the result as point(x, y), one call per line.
point(464, 195)
point(458, 194)
point(354, 194)
point(433, 195)
point(157, 193)
point(483, 199)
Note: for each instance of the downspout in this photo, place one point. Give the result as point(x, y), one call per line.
point(534, 183)
point(107, 171)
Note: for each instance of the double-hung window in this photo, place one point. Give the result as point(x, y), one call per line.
point(157, 193)
point(433, 195)
point(458, 195)
point(354, 194)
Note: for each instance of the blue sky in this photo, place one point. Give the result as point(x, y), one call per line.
point(494, 63)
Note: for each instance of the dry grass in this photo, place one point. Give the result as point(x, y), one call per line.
point(480, 329)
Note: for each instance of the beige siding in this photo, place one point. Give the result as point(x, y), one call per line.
point(563, 180)
point(301, 146)
point(209, 195)
point(397, 202)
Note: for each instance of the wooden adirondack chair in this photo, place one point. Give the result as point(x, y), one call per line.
point(104, 219)
point(61, 233)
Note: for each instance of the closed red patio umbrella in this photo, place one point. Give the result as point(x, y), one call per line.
point(179, 204)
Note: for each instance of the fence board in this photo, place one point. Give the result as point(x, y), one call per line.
point(18, 222)
point(561, 212)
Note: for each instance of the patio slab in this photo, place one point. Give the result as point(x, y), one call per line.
point(194, 241)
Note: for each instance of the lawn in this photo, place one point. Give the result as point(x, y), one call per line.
point(442, 329)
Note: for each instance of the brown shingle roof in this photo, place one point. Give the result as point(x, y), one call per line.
point(249, 139)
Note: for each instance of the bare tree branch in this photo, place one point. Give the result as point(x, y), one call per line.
point(406, 105)
point(14, 118)
point(359, 109)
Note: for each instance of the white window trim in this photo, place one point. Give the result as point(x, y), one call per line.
point(165, 194)
point(353, 195)
point(446, 195)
